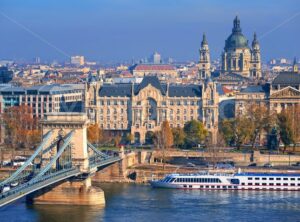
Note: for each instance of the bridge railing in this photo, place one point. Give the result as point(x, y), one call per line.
point(32, 186)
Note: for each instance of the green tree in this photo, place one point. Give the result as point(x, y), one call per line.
point(237, 130)
point(227, 130)
point(285, 129)
point(261, 121)
point(242, 130)
point(179, 136)
point(195, 133)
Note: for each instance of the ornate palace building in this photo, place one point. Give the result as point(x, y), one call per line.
point(141, 108)
point(238, 57)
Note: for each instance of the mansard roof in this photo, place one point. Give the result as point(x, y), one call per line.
point(287, 78)
point(125, 90)
point(154, 81)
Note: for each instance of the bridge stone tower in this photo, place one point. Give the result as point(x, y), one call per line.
point(71, 191)
point(63, 123)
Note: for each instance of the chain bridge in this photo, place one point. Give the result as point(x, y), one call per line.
point(63, 157)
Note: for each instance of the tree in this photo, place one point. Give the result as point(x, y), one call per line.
point(261, 121)
point(227, 130)
point(178, 136)
point(22, 129)
point(285, 128)
point(94, 134)
point(242, 130)
point(129, 138)
point(237, 130)
point(195, 133)
point(117, 140)
point(163, 139)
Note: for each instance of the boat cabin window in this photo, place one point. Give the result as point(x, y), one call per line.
point(292, 178)
point(264, 178)
point(278, 178)
point(172, 180)
point(256, 178)
point(249, 178)
point(271, 178)
point(235, 181)
point(285, 178)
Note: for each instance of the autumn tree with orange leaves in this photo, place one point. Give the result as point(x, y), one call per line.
point(21, 128)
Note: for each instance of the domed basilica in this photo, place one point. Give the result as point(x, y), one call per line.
point(237, 57)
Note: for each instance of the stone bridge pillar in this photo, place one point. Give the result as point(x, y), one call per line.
point(74, 191)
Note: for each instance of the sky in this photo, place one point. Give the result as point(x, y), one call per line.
point(122, 30)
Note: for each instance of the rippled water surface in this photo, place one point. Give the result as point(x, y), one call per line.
point(127, 202)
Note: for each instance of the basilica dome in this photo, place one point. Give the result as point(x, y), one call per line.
point(236, 39)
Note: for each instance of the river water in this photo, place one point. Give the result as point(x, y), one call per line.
point(129, 202)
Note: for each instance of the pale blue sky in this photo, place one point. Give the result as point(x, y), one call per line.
point(118, 30)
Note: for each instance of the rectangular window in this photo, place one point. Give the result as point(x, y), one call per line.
point(249, 178)
point(256, 178)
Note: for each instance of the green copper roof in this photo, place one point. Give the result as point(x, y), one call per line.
point(236, 39)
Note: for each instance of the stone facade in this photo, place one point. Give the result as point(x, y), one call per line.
point(141, 108)
point(283, 92)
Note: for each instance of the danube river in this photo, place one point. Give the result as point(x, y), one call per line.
point(128, 202)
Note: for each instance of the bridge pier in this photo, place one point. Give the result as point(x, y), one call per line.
point(69, 193)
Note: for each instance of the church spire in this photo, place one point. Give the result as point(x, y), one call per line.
point(255, 41)
point(236, 25)
point(204, 41)
point(295, 65)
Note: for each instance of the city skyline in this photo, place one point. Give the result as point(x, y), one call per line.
point(125, 30)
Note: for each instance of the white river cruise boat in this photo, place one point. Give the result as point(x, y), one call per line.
point(238, 181)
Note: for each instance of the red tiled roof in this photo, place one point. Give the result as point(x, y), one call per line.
point(226, 90)
point(154, 67)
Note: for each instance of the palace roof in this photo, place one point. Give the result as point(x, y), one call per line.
point(173, 90)
point(287, 78)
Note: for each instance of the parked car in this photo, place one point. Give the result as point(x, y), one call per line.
point(268, 165)
point(224, 166)
point(252, 165)
point(296, 164)
point(190, 165)
point(5, 189)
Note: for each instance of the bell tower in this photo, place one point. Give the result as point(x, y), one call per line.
point(295, 66)
point(255, 68)
point(204, 62)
